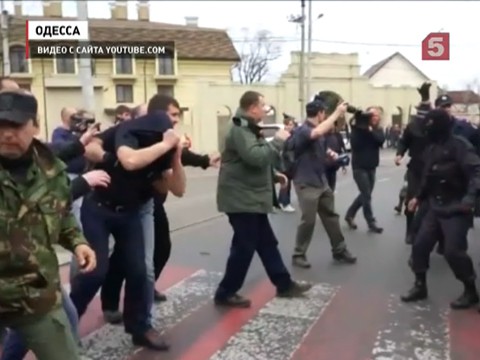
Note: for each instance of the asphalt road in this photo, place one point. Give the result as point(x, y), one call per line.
point(352, 313)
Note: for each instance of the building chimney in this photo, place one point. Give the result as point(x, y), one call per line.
point(191, 20)
point(119, 10)
point(52, 8)
point(17, 7)
point(143, 9)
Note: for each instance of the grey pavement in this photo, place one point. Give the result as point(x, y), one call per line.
point(382, 258)
point(352, 313)
point(199, 204)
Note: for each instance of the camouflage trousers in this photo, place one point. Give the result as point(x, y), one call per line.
point(49, 336)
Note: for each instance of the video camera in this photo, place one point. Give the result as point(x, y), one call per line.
point(81, 121)
point(360, 118)
point(331, 100)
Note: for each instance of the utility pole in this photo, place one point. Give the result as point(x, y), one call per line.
point(301, 80)
point(85, 64)
point(5, 43)
point(309, 49)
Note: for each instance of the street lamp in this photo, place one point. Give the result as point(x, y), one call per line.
point(301, 68)
point(310, 40)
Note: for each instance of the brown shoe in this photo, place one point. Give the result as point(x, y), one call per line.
point(235, 301)
point(151, 339)
point(296, 289)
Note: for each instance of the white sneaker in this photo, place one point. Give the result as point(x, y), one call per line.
point(288, 209)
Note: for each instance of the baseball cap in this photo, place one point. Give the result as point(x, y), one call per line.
point(17, 107)
point(443, 100)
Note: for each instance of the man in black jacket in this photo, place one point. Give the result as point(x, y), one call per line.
point(414, 141)
point(111, 289)
point(366, 142)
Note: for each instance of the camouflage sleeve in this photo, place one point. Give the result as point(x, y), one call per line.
point(70, 234)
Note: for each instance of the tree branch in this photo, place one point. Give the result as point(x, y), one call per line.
point(256, 58)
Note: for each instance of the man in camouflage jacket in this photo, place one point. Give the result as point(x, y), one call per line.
point(34, 216)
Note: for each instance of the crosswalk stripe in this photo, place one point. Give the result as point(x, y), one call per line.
point(464, 332)
point(413, 331)
point(279, 327)
point(347, 322)
point(112, 343)
point(353, 317)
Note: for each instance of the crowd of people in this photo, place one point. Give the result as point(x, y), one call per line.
point(71, 192)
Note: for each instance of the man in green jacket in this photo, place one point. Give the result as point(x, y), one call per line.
point(34, 216)
point(245, 194)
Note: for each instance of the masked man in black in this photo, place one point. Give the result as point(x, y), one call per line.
point(414, 141)
point(449, 184)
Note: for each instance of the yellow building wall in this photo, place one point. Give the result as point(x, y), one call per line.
point(206, 89)
point(54, 91)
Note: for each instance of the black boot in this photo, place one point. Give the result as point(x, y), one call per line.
point(468, 299)
point(418, 291)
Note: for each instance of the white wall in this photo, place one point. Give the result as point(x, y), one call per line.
point(397, 72)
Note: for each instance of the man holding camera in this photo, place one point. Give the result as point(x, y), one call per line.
point(64, 134)
point(366, 140)
point(314, 194)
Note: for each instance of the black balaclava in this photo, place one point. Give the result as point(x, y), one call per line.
point(439, 125)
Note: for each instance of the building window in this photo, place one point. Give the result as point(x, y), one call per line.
point(166, 90)
point(166, 64)
point(25, 87)
point(65, 64)
point(124, 64)
point(124, 93)
point(18, 61)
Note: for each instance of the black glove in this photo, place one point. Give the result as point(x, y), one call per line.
point(424, 91)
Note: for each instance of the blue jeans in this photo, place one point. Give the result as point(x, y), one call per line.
point(365, 180)
point(99, 222)
point(13, 346)
point(284, 194)
point(112, 286)
point(76, 211)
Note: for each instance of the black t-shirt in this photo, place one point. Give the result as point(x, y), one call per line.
point(133, 188)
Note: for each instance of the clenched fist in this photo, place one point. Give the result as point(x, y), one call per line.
point(86, 258)
point(97, 178)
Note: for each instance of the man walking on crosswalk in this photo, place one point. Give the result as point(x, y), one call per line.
point(244, 193)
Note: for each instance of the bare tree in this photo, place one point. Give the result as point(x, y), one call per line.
point(256, 54)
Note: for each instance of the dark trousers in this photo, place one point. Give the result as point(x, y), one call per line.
point(252, 233)
point(284, 194)
point(453, 229)
point(413, 220)
point(331, 175)
point(111, 289)
point(276, 204)
point(365, 180)
point(99, 223)
point(163, 243)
